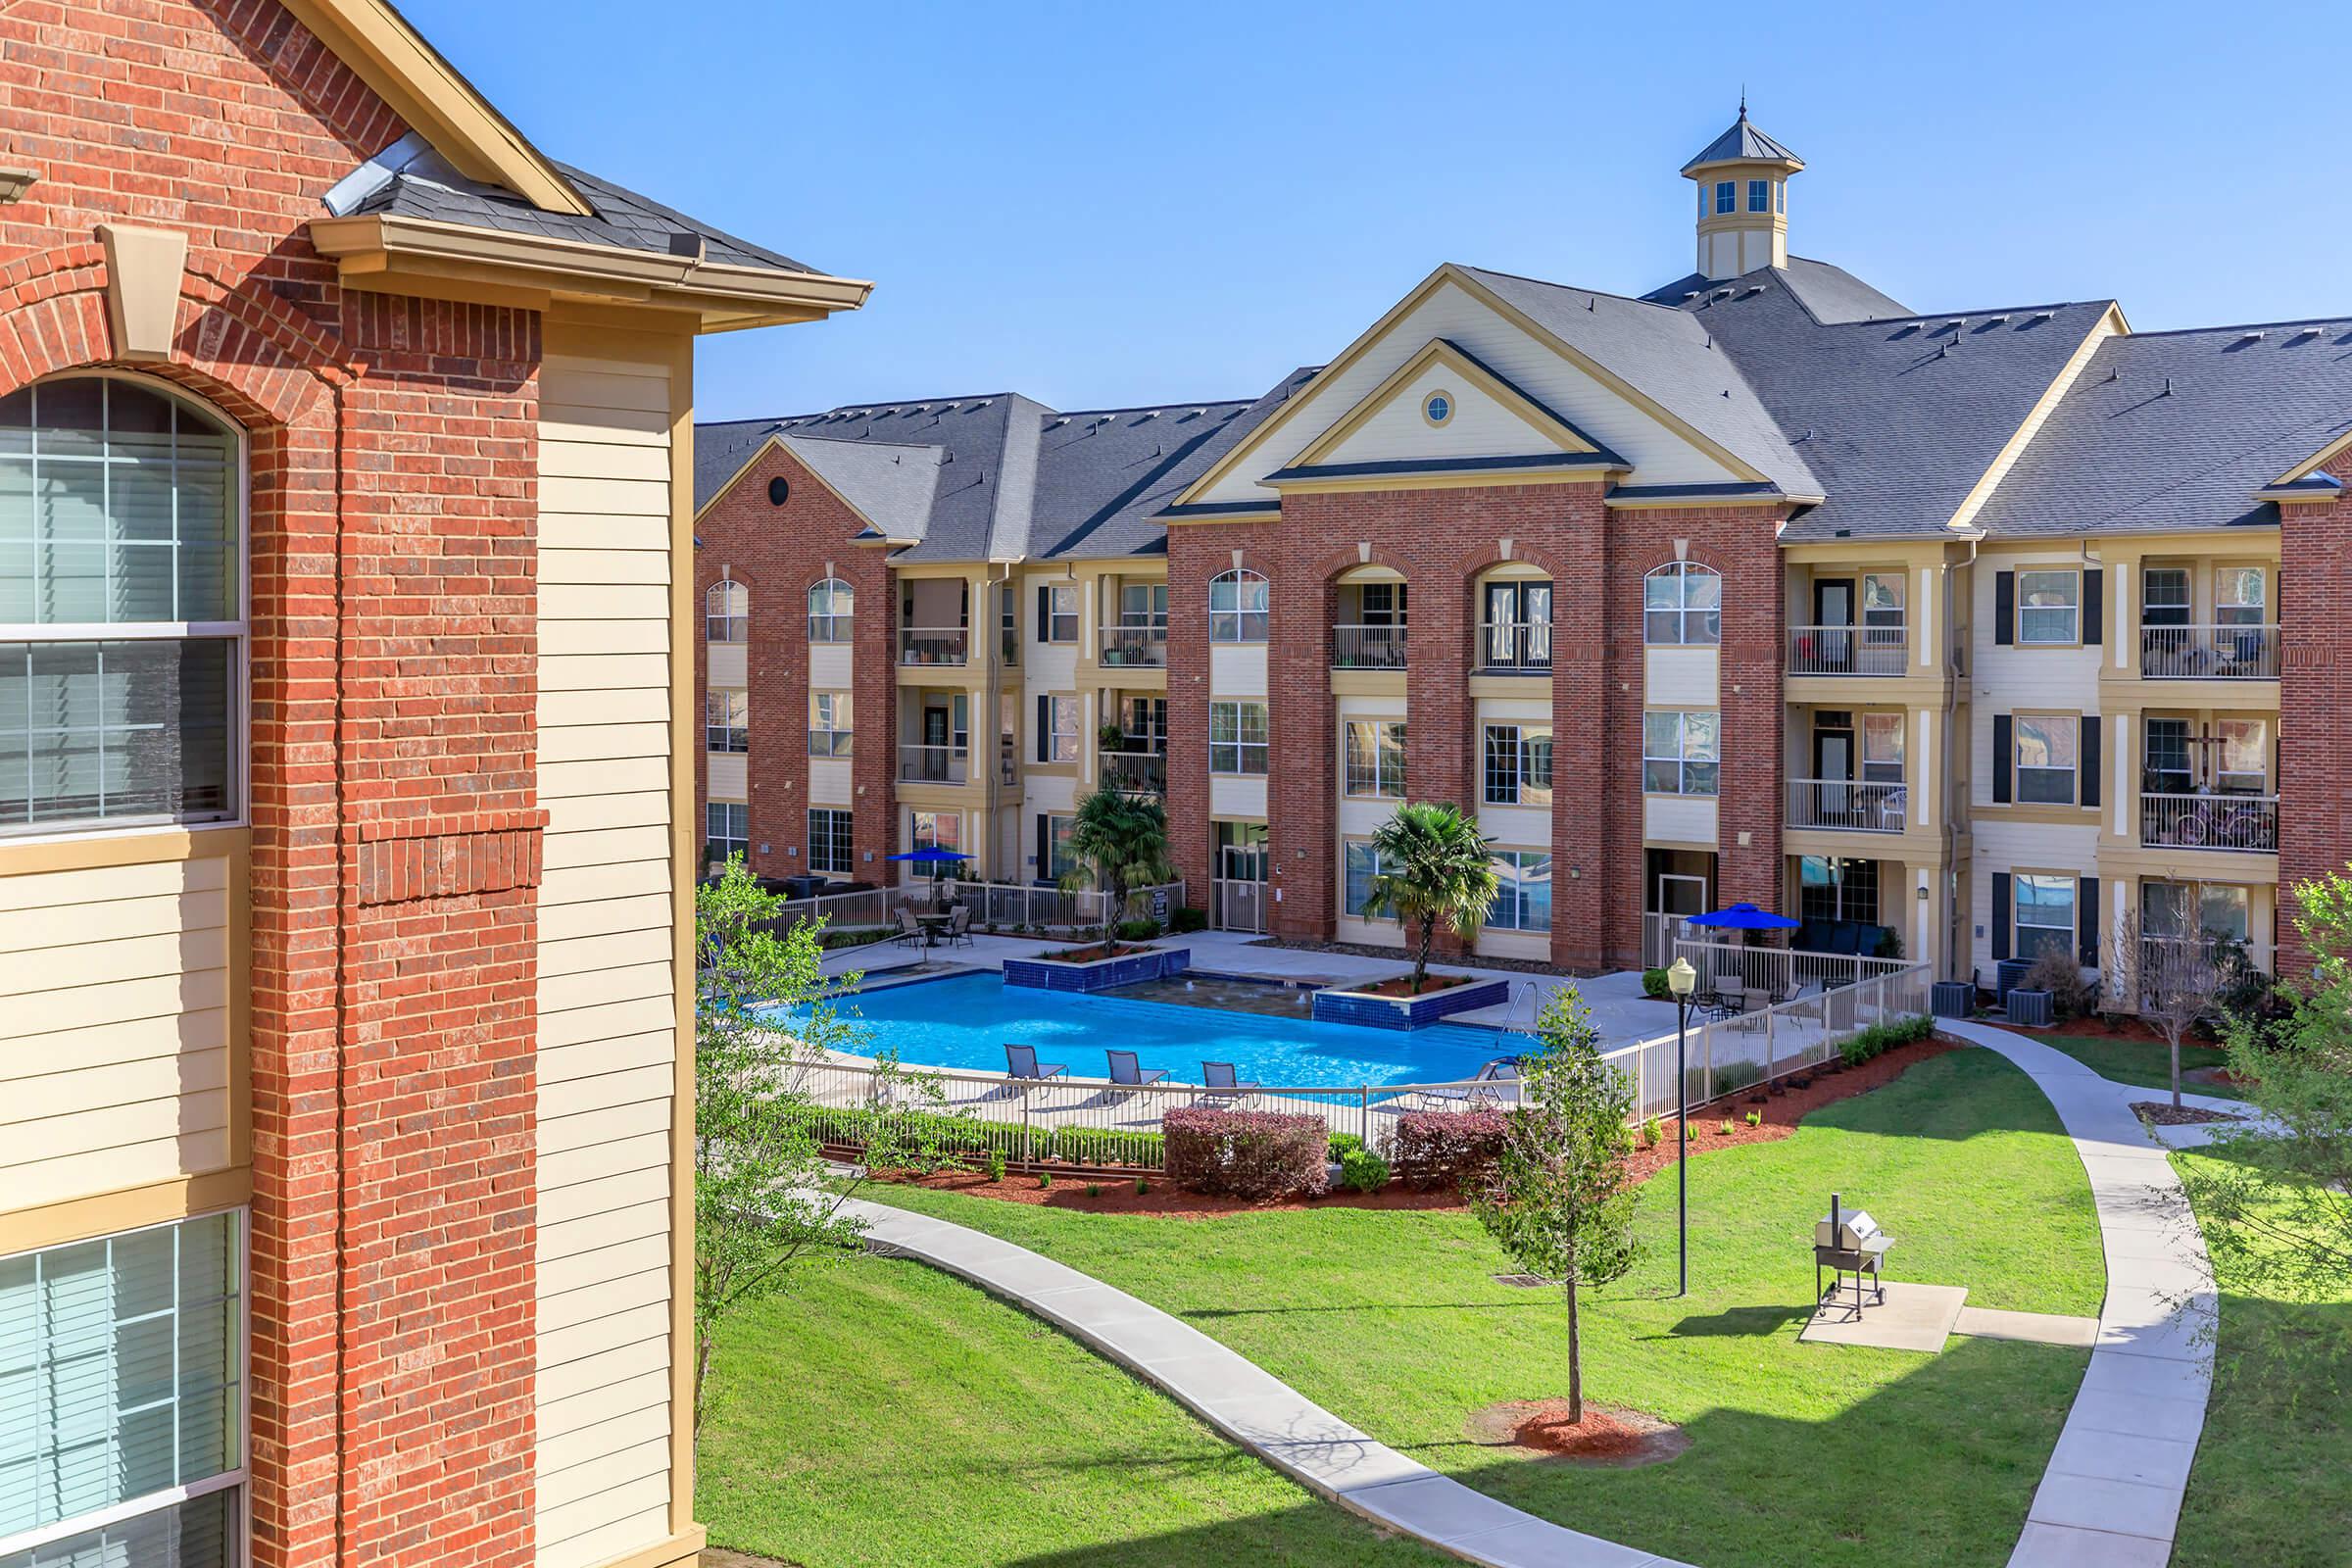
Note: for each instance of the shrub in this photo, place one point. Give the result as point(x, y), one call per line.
point(996, 1164)
point(1094, 1189)
point(1755, 1119)
point(1044, 1179)
point(1885, 1036)
point(1732, 1075)
point(1189, 918)
point(2057, 972)
point(1446, 1148)
point(1142, 930)
point(1141, 1187)
point(1340, 1143)
point(1652, 1129)
point(1725, 1131)
point(857, 1128)
point(1363, 1170)
point(1653, 983)
point(1249, 1153)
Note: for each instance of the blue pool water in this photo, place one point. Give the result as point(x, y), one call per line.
point(965, 1022)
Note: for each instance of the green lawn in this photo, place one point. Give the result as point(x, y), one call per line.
point(2147, 1062)
point(2273, 1482)
point(890, 1416)
point(1801, 1454)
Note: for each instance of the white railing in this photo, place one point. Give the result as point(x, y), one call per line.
point(1723, 1055)
point(1136, 643)
point(934, 764)
point(1659, 933)
point(1847, 804)
point(1512, 648)
point(2209, 653)
point(2210, 822)
point(1001, 903)
point(1367, 646)
point(1077, 1118)
point(1775, 974)
point(1849, 650)
point(933, 645)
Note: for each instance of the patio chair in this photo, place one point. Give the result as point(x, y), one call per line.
point(1218, 1076)
point(959, 924)
point(1476, 1092)
point(1020, 1062)
point(1125, 1074)
point(909, 929)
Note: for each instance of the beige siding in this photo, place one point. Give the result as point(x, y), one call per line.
point(608, 1007)
point(116, 1065)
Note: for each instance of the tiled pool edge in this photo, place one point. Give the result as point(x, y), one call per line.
point(1096, 974)
point(1335, 1005)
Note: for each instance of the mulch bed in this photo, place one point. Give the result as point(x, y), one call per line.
point(2097, 1026)
point(1609, 1436)
point(1781, 1110)
point(1402, 985)
point(1088, 952)
point(2164, 1114)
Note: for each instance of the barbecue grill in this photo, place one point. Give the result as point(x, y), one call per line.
point(1849, 1242)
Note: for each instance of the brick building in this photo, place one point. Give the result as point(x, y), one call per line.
point(345, 456)
point(1957, 635)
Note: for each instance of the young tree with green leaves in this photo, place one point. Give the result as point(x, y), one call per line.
point(1436, 867)
point(1118, 842)
point(1560, 1201)
point(766, 1204)
point(2276, 1201)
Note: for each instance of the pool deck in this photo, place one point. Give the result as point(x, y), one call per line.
point(1620, 1012)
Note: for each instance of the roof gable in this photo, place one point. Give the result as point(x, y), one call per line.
point(1487, 416)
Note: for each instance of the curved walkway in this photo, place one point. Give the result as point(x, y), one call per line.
point(2109, 1499)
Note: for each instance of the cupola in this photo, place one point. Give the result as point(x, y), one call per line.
point(1742, 181)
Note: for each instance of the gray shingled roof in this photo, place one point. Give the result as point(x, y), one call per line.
point(892, 484)
point(1832, 293)
point(1669, 356)
point(1902, 418)
point(1742, 142)
point(2178, 429)
point(622, 217)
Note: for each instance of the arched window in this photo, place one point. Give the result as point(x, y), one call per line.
point(1237, 607)
point(1682, 604)
point(727, 612)
point(831, 604)
point(121, 543)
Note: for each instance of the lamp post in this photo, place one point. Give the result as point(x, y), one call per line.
point(1682, 980)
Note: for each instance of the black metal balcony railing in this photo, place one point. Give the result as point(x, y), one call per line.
point(1136, 643)
point(933, 645)
point(1136, 772)
point(2245, 823)
point(1849, 650)
point(2209, 653)
point(933, 764)
point(1512, 648)
point(1367, 646)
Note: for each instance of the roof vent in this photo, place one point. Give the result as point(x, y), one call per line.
point(2306, 332)
point(1148, 414)
point(1954, 324)
point(920, 408)
point(1058, 422)
point(950, 408)
point(1725, 293)
point(1995, 321)
point(982, 404)
point(2044, 316)
point(1196, 413)
point(2252, 337)
point(1693, 293)
point(1753, 289)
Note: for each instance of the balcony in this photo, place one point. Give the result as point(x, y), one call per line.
point(1136, 772)
point(1849, 650)
point(1848, 806)
point(934, 645)
point(2209, 653)
point(1512, 648)
point(1367, 646)
point(2247, 823)
point(934, 764)
point(1130, 643)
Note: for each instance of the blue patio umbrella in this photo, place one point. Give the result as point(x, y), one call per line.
point(1743, 918)
point(932, 855)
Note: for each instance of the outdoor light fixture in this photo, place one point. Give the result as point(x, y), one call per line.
point(1682, 980)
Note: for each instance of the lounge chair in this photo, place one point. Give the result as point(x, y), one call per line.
point(1125, 1074)
point(959, 924)
point(1020, 1062)
point(909, 929)
point(1476, 1092)
point(1218, 1076)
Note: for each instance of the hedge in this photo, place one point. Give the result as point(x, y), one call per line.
point(1886, 1036)
point(1431, 1148)
point(850, 1127)
point(1249, 1153)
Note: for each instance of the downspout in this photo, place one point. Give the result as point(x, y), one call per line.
point(1954, 800)
point(992, 626)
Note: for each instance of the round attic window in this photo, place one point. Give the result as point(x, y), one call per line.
point(1437, 408)
point(779, 491)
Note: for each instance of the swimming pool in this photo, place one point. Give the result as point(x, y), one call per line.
point(966, 1022)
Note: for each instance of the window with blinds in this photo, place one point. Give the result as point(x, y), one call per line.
point(121, 608)
point(122, 1399)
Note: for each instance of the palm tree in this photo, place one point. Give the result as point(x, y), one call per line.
point(1120, 842)
point(1435, 866)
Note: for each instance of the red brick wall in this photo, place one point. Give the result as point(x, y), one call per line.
point(2315, 691)
point(392, 742)
point(1441, 540)
point(778, 552)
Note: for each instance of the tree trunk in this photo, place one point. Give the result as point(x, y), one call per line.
point(1429, 940)
point(702, 1371)
point(2176, 1044)
point(1576, 1363)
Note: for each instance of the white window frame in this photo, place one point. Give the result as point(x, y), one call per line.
point(730, 845)
point(239, 1476)
point(2058, 733)
point(1525, 787)
point(726, 720)
point(1513, 889)
point(2072, 609)
point(1378, 772)
point(832, 624)
point(847, 841)
point(1689, 751)
point(1056, 829)
point(832, 722)
point(727, 612)
point(1060, 624)
point(1709, 618)
point(918, 839)
point(1060, 743)
point(1237, 621)
point(1237, 755)
point(2232, 734)
point(237, 721)
point(1727, 196)
point(1371, 856)
point(2229, 606)
point(2018, 924)
point(1759, 195)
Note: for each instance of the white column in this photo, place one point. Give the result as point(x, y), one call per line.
point(1924, 621)
point(2127, 799)
point(1929, 763)
point(2122, 618)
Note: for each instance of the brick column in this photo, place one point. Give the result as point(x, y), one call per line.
point(1302, 784)
point(1197, 553)
point(2315, 704)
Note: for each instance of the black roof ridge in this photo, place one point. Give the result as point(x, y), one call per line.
point(2344, 321)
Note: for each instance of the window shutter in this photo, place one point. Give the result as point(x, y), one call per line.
point(2087, 918)
point(2004, 757)
point(2004, 608)
point(1044, 727)
point(2000, 916)
point(2094, 607)
point(2086, 780)
point(1045, 612)
point(1042, 861)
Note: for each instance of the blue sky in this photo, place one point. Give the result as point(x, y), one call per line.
point(1111, 204)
